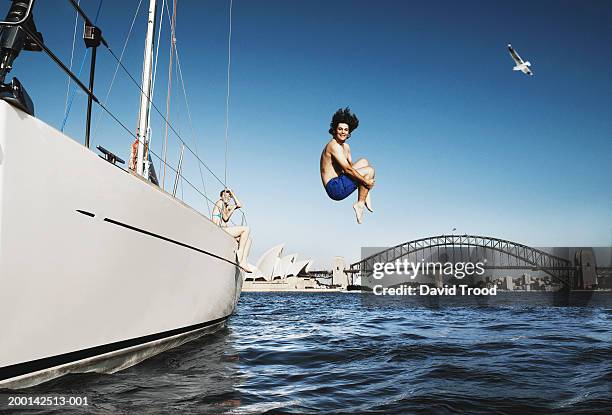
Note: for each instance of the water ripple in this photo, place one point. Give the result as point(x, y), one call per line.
point(334, 353)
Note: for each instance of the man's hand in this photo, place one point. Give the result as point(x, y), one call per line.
point(339, 156)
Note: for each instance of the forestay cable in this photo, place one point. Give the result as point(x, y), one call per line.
point(227, 99)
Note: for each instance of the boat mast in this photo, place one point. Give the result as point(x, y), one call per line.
point(145, 104)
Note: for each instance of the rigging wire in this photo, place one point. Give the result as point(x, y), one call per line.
point(169, 92)
point(118, 121)
point(227, 99)
point(179, 123)
point(135, 82)
point(105, 109)
point(195, 141)
point(156, 155)
point(131, 77)
point(193, 133)
point(67, 112)
point(132, 134)
point(149, 134)
point(161, 22)
point(110, 88)
point(76, 21)
point(159, 32)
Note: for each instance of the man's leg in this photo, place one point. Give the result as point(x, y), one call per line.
point(368, 202)
point(359, 164)
point(369, 173)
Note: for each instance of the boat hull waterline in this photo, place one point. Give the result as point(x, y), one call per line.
point(94, 259)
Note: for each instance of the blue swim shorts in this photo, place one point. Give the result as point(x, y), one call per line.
point(340, 187)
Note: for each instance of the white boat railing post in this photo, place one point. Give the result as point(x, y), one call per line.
point(145, 104)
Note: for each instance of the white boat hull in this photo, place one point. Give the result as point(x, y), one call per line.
point(95, 260)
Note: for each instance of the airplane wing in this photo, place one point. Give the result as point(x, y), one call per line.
point(515, 55)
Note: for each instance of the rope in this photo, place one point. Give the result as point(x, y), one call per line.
point(76, 20)
point(227, 99)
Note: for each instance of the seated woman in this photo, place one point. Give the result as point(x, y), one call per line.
point(221, 214)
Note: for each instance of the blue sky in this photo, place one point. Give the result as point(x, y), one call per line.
point(458, 138)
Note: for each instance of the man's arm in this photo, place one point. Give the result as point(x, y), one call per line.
point(348, 154)
point(343, 162)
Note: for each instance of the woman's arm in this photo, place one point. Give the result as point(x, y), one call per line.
point(238, 204)
point(227, 212)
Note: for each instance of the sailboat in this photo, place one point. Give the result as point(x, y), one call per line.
point(100, 268)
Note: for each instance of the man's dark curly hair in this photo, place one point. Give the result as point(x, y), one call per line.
point(344, 115)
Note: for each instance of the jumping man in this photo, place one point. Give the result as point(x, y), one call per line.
point(340, 176)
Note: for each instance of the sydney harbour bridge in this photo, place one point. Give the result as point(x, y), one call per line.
point(577, 273)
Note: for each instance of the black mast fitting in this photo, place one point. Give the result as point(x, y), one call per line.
point(14, 37)
point(92, 35)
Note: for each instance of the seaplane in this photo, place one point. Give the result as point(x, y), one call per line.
point(521, 65)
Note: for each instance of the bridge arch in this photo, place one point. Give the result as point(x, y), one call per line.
point(523, 256)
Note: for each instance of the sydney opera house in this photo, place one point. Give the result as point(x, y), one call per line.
point(274, 272)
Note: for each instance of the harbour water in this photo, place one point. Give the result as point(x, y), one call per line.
point(339, 353)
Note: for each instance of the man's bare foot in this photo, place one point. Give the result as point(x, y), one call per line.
point(358, 207)
point(368, 203)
